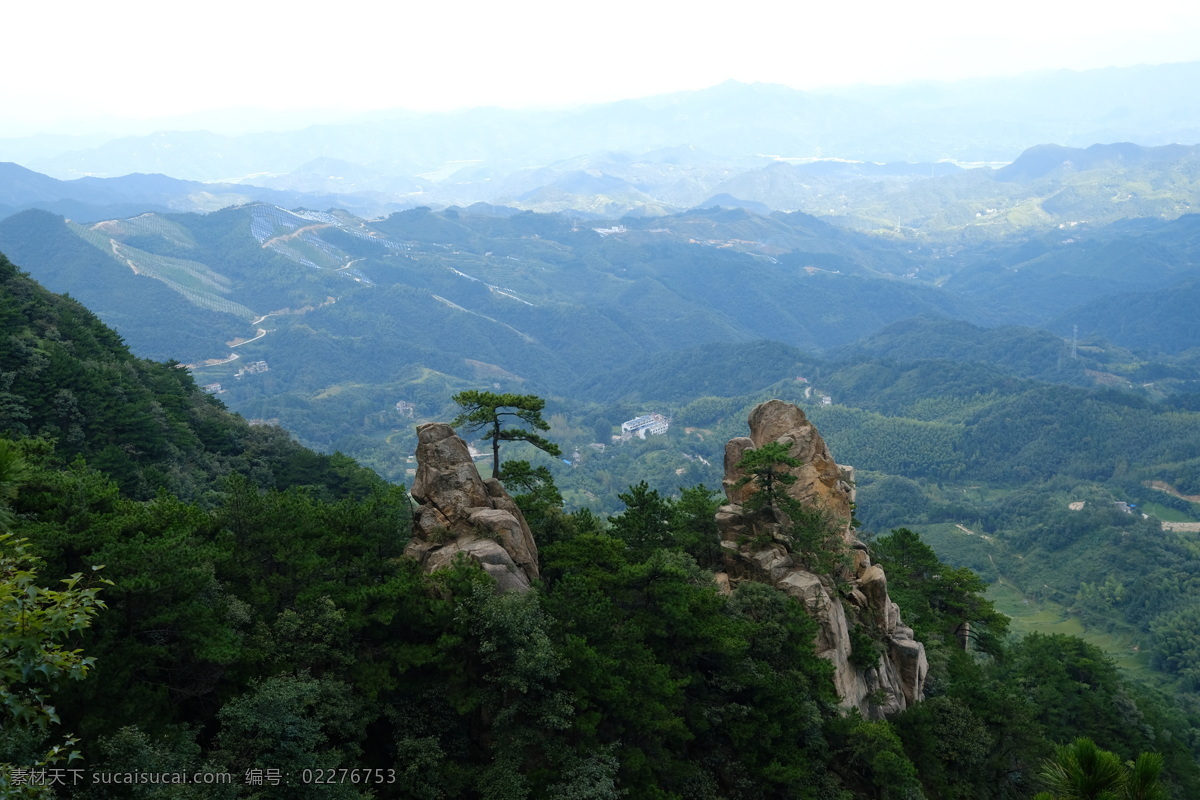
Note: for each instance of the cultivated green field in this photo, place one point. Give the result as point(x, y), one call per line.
point(1028, 615)
point(1167, 514)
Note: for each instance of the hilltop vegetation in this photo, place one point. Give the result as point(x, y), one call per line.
point(65, 377)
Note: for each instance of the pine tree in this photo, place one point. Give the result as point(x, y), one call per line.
point(486, 410)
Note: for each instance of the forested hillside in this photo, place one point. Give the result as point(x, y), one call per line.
point(328, 324)
point(260, 617)
point(66, 378)
point(1040, 486)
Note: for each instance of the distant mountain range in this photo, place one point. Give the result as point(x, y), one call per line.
point(92, 199)
point(1045, 186)
point(543, 299)
point(671, 150)
point(990, 119)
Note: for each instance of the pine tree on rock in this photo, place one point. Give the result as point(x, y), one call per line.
point(767, 468)
point(486, 410)
point(810, 533)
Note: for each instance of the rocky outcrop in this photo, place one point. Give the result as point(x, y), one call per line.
point(821, 482)
point(757, 547)
point(460, 512)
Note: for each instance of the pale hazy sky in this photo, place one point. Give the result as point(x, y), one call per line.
point(147, 58)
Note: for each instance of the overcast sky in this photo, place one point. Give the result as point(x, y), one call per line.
point(76, 59)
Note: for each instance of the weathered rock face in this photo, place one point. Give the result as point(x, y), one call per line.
point(462, 513)
point(821, 482)
point(897, 679)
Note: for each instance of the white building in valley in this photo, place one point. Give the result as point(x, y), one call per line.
point(645, 425)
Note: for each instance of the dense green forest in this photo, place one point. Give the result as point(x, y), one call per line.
point(324, 322)
point(244, 608)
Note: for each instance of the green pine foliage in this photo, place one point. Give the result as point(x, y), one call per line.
point(488, 412)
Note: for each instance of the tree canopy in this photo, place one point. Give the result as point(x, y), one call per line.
point(488, 411)
point(767, 468)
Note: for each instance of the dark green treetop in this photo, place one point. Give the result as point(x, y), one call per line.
point(486, 410)
point(1082, 771)
point(767, 467)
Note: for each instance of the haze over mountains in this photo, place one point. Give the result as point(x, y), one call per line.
point(1069, 230)
point(1060, 200)
point(657, 154)
point(328, 323)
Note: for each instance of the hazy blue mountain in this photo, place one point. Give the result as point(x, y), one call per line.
point(721, 370)
point(979, 120)
point(1035, 280)
point(334, 176)
point(613, 183)
point(724, 200)
point(1041, 160)
point(19, 185)
point(1163, 321)
point(92, 199)
point(1046, 185)
point(1025, 352)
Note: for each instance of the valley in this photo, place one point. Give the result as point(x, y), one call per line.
point(612, 324)
point(997, 333)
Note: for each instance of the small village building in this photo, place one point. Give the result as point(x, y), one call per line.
point(645, 425)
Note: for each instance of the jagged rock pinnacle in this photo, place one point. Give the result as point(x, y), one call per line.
point(460, 512)
point(754, 550)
